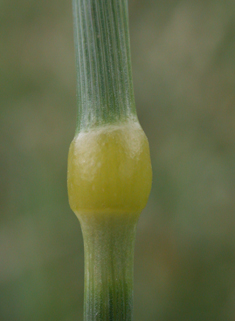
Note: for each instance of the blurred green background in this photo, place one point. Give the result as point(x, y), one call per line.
point(183, 56)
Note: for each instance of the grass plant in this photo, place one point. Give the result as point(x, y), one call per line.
point(109, 168)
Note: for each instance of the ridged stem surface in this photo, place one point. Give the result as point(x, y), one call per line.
point(109, 247)
point(104, 78)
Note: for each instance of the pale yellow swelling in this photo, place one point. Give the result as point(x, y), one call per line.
point(109, 170)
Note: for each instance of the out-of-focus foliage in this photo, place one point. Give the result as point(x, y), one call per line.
point(183, 55)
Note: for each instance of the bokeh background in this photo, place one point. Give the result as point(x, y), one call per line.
point(183, 56)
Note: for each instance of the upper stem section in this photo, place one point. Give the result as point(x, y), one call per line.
point(104, 77)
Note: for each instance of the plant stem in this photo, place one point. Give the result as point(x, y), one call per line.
point(109, 247)
point(109, 168)
point(104, 78)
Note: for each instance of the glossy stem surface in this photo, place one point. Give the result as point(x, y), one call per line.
point(109, 250)
point(104, 77)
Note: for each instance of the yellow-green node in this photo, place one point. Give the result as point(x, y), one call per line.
point(109, 170)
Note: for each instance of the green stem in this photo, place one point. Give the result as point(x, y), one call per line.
point(105, 96)
point(109, 247)
point(104, 78)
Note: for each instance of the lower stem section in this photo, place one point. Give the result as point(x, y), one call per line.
point(109, 252)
